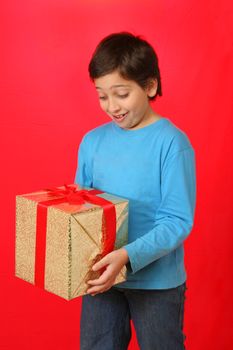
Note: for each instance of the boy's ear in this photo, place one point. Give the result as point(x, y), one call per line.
point(152, 87)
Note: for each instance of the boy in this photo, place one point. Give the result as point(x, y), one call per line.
point(143, 157)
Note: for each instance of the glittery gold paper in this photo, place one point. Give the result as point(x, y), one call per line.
point(73, 240)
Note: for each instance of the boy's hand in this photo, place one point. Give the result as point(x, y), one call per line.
point(114, 261)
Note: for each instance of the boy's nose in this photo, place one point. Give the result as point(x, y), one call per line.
point(113, 107)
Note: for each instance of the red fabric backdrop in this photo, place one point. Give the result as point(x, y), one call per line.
point(48, 103)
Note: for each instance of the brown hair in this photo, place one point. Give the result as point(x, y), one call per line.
point(133, 57)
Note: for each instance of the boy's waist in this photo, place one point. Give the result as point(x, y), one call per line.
point(166, 272)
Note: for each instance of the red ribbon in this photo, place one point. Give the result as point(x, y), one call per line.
point(73, 196)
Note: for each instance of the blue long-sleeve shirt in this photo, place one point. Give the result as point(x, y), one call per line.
point(154, 168)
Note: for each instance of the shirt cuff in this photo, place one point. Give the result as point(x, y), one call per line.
point(131, 266)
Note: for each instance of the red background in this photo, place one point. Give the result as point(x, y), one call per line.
point(48, 103)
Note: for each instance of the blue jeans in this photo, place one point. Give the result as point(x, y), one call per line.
point(157, 316)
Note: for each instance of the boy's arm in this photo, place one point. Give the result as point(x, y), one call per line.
point(175, 216)
point(83, 175)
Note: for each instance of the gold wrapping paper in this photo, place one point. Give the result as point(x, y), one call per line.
point(73, 241)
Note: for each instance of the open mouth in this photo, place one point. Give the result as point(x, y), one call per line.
point(120, 117)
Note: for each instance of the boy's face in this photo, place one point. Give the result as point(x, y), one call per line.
point(125, 101)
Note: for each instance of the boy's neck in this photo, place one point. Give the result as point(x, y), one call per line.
point(151, 118)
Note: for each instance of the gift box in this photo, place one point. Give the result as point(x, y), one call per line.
point(60, 234)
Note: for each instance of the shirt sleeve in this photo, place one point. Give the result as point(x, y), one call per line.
point(174, 217)
point(83, 176)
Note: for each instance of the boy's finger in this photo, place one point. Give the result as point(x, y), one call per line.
point(101, 280)
point(97, 266)
point(95, 289)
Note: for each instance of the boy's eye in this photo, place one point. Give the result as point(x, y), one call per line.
point(121, 96)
